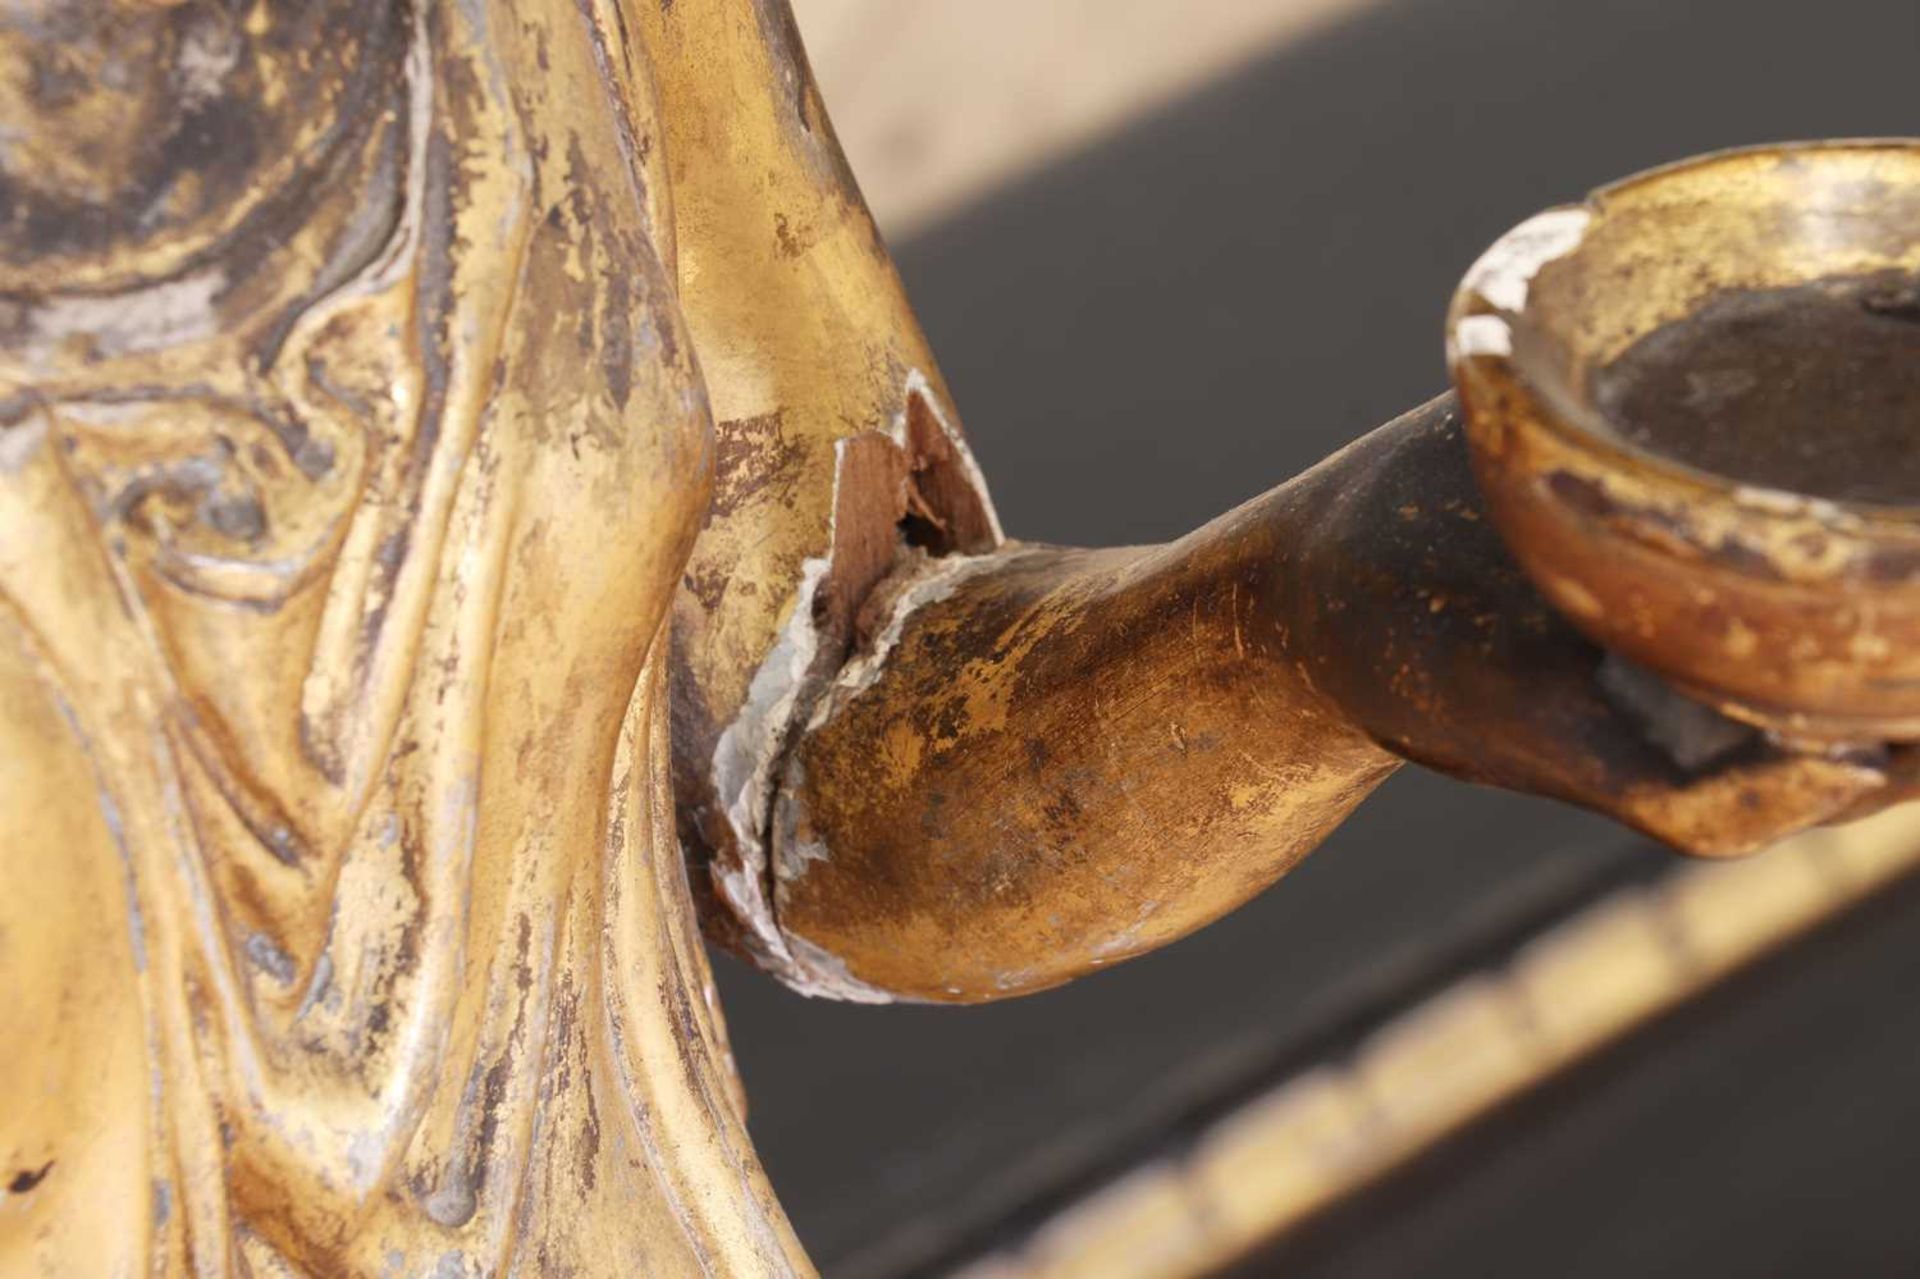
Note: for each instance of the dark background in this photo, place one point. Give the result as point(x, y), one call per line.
point(1172, 321)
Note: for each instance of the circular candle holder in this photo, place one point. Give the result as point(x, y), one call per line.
point(1740, 521)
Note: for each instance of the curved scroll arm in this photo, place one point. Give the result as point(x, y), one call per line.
point(1049, 759)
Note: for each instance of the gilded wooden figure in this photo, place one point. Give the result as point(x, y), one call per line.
point(454, 456)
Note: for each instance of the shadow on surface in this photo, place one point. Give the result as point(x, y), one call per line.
point(1766, 1129)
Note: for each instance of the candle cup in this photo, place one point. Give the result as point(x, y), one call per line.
point(1693, 406)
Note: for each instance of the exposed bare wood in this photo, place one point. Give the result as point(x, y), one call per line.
point(446, 449)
